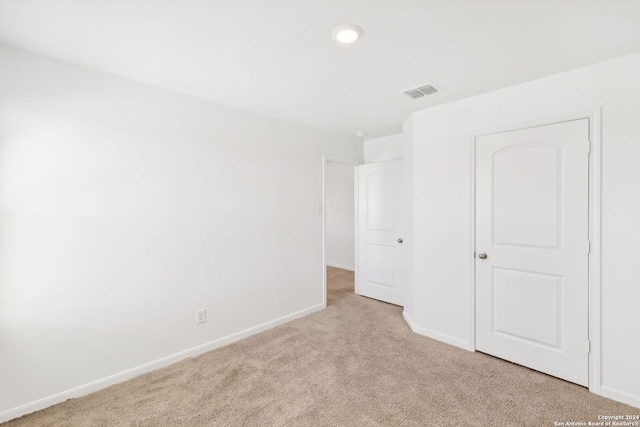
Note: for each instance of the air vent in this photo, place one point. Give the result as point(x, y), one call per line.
point(423, 90)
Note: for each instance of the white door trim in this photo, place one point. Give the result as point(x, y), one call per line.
point(595, 202)
point(345, 161)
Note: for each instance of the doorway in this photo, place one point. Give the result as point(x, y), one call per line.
point(338, 210)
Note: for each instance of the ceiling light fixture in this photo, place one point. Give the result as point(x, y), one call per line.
point(347, 34)
point(361, 133)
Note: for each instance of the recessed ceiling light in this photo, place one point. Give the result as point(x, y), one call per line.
point(361, 133)
point(347, 34)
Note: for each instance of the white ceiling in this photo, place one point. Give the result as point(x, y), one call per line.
point(276, 57)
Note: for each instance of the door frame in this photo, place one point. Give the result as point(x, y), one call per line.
point(326, 159)
point(594, 211)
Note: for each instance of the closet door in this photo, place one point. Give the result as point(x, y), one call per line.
point(531, 266)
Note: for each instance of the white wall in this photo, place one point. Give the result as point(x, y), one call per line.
point(383, 149)
point(124, 208)
point(339, 216)
point(441, 162)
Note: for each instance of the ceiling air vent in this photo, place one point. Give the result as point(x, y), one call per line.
point(423, 90)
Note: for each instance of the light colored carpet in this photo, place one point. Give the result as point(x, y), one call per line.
point(354, 364)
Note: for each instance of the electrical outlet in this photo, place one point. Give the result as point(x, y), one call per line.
point(201, 316)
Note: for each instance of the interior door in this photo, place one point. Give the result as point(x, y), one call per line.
point(379, 239)
point(532, 247)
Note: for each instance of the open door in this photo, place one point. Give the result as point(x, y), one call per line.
point(379, 239)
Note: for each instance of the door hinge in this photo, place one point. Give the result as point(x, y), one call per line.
point(589, 146)
point(588, 246)
point(588, 346)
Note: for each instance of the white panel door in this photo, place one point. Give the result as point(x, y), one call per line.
point(379, 237)
point(532, 200)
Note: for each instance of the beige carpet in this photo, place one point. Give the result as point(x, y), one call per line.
point(354, 364)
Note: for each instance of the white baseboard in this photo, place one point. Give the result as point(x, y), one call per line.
point(436, 335)
point(96, 385)
point(620, 396)
point(605, 391)
point(343, 267)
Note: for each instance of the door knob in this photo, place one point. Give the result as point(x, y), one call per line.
point(482, 255)
point(400, 240)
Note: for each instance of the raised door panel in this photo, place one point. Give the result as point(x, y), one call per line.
point(525, 210)
point(380, 204)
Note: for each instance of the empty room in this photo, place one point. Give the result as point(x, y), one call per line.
point(319, 213)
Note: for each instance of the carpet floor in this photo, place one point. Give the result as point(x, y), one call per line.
point(356, 363)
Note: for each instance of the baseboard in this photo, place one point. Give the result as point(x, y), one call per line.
point(435, 335)
point(343, 267)
point(605, 391)
point(620, 396)
point(102, 383)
